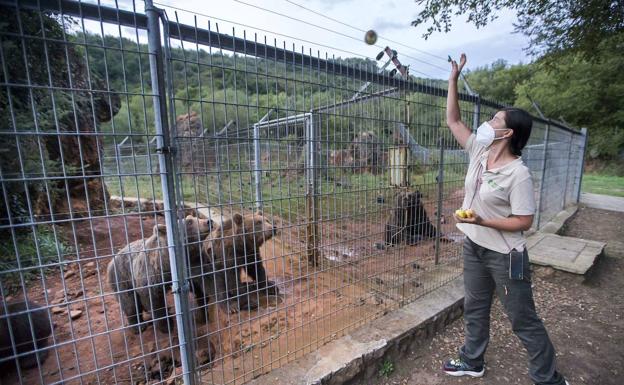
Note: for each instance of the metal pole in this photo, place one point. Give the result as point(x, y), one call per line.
point(258, 160)
point(180, 286)
point(311, 192)
point(477, 113)
point(565, 193)
point(582, 165)
point(257, 166)
point(440, 198)
point(541, 195)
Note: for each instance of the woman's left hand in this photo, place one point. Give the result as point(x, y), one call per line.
point(475, 219)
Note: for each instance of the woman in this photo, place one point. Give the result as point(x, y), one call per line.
point(500, 191)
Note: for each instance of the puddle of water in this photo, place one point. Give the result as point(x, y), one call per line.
point(338, 254)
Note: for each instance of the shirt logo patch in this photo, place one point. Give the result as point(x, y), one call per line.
point(495, 186)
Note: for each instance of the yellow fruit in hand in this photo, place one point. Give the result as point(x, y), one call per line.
point(470, 213)
point(461, 213)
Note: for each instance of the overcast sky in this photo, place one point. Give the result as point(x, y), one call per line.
point(389, 18)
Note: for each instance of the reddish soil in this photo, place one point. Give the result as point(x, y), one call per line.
point(355, 282)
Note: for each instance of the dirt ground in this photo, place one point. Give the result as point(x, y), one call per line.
point(584, 317)
point(358, 281)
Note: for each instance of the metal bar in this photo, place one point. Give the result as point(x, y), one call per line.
point(367, 84)
point(468, 89)
point(477, 113)
point(567, 180)
point(257, 166)
point(311, 192)
point(582, 163)
point(542, 179)
point(440, 200)
point(179, 284)
point(409, 140)
point(258, 160)
point(85, 11)
point(287, 119)
point(221, 132)
point(357, 100)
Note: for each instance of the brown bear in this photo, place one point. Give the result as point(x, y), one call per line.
point(233, 246)
point(140, 273)
point(30, 326)
point(409, 222)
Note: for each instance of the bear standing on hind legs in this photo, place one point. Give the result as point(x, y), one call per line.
point(140, 273)
point(235, 246)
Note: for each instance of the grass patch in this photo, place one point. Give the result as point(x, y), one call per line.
point(603, 184)
point(30, 252)
point(342, 193)
point(386, 369)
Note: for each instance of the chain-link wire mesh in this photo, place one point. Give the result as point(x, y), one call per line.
point(186, 204)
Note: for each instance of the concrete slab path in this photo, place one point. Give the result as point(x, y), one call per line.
point(604, 202)
point(574, 255)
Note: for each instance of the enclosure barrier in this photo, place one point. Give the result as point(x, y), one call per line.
point(185, 204)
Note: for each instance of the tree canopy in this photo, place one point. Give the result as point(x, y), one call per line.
point(579, 91)
point(553, 26)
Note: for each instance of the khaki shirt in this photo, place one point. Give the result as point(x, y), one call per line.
point(504, 191)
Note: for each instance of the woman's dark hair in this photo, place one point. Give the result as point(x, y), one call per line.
point(521, 123)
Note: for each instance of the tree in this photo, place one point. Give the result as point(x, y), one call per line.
point(584, 93)
point(498, 81)
point(29, 106)
point(553, 26)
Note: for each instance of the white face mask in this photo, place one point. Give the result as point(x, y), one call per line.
point(486, 134)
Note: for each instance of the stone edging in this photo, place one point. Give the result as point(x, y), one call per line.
point(360, 353)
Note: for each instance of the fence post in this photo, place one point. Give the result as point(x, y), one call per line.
point(164, 149)
point(257, 166)
point(542, 179)
point(565, 193)
point(581, 167)
point(311, 192)
point(440, 198)
point(258, 159)
point(477, 113)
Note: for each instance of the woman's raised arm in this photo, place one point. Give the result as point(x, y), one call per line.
point(460, 131)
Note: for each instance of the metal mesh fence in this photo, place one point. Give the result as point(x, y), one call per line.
point(189, 204)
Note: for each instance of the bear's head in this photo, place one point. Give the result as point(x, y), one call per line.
point(256, 228)
point(409, 199)
point(195, 230)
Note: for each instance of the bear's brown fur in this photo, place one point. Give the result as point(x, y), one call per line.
point(233, 246)
point(21, 316)
point(140, 273)
point(408, 222)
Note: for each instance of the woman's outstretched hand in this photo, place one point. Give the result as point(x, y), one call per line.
point(456, 69)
